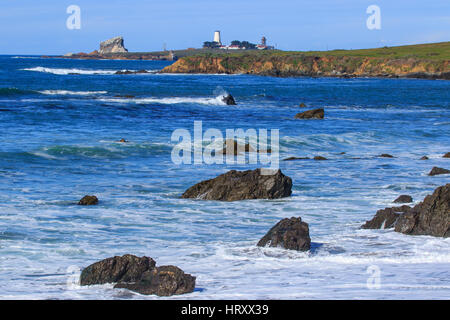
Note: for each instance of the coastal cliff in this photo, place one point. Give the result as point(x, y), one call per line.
point(419, 61)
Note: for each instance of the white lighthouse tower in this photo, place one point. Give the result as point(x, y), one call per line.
point(217, 37)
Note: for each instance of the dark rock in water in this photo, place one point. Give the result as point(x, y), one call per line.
point(311, 114)
point(229, 100)
point(122, 140)
point(447, 155)
point(128, 96)
point(436, 170)
point(162, 281)
point(88, 201)
point(127, 268)
point(430, 217)
point(290, 234)
point(131, 72)
point(385, 218)
point(242, 185)
point(386, 155)
point(138, 274)
point(404, 199)
point(295, 158)
point(232, 147)
point(320, 158)
point(424, 158)
point(302, 105)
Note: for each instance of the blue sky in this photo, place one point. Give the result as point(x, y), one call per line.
point(39, 27)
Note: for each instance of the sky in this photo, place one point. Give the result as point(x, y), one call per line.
point(39, 26)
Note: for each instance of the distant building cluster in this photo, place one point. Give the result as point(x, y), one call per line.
point(236, 44)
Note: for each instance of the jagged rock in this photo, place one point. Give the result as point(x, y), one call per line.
point(436, 170)
point(447, 155)
point(229, 100)
point(320, 158)
point(386, 155)
point(127, 268)
point(404, 199)
point(162, 281)
point(385, 218)
point(242, 185)
point(138, 274)
point(290, 234)
point(430, 217)
point(114, 45)
point(311, 114)
point(424, 158)
point(88, 201)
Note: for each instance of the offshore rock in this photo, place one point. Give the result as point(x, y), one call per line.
point(290, 234)
point(229, 100)
point(311, 114)
point(436, 170)
point(242, 185)
point(385, 218)
point(113, 45)
point(139, 275)
point(88, 201)
point(404, 199)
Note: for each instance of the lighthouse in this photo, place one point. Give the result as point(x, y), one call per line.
point(217, 37)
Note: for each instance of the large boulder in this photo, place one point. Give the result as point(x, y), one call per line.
point(241, 185)
point(385, 218)
point(311, 114)
point(290, 234)
point(113, 45)
point(88, 201)
point(139, 275)
point(436, 170)
point(430, 217)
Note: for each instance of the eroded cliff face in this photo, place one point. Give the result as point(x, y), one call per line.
point(302, 65)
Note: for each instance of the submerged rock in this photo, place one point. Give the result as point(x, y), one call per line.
point(424, 158)
point(385, 218)
point(295, 158)
point(311, 114)
point(436, 170)
point(386, 155)
point(229, 100)
point(290, 234)
point(404, 199)
point(320, 158)
point(88, 201)
point(430, 217)
point(139, 275)
point(242, 185)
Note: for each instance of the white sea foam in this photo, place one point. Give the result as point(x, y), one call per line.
point(172, 100)
point(66, 71)
point(68, 92)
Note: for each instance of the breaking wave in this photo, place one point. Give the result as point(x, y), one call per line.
point(172, 100)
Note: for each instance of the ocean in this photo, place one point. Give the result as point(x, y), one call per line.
point(60, 122)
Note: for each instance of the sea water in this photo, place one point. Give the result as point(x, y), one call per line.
point(60, 121)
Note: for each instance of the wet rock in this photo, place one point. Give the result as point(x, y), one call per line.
point(162, 281)
point(290, 234)
point(229, 100)
point(88, 201)
point(242, 185)
point(385, 218)
point(139, 275)
point(424, 158)
point(447, 155)
point(404, 199)
point(430, 217)
point(320, 158)
point(295, 158)
point(311, 114)
point(436, 170)
point(127, 268)
point(302, 105)
point(386, 155)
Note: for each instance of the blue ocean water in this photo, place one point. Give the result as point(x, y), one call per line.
point(60, 121)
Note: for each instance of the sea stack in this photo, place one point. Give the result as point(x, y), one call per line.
point(113, 45)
